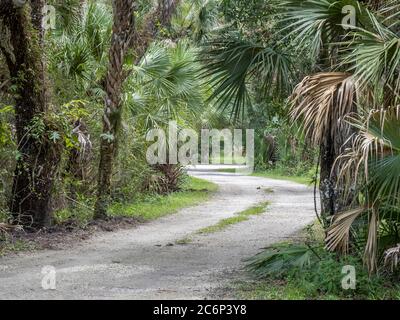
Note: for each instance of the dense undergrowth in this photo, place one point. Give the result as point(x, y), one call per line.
point(148, 206)
point(305, 270)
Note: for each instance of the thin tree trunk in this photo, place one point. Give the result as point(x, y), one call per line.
point(38, 156)
point(327, 180)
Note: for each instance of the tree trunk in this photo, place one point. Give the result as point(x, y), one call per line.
point(38, 156)
point(123, 29)
point(327, 180)
point(123, 37)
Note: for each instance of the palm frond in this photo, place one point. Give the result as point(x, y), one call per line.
point(166, 85)
point(376, 148)
point(371, 247)
point(277, 259)
point(375, 61)
point(315, 25)
point(391, 11)
point(230, 63)
point(321, 102)
point(338, 233)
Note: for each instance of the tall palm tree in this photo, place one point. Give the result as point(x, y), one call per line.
point(124, 36)
point(371, 162)
point(319, 103)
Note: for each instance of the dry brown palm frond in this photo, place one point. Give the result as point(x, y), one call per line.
point(321, 102)
point(392, 257)
point(376, 148)
point(371, 248)
point(365, 145)
point(339, 232)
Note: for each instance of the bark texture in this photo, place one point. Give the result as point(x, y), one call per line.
point(123, 37)
point(38, 156)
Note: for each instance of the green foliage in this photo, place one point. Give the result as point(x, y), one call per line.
point(195, 191)
point(231, 62)
point(195, 19)
point(166, 87)
point(304, 272)
point(281, 259)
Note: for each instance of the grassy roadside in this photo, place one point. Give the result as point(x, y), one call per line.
point(194, 192)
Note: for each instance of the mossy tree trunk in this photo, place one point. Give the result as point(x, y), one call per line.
point(38, 157)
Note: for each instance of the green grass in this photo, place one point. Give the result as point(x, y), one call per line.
point(194, 192)
point(271, 290)
point(292, 289)
point(184, 241)
point(239, 217)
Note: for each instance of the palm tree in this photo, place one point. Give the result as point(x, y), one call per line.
point(124, 36)
point(374, 58)
point(346, 60)
point(78, 63)
point(319, 103)
point(352, 69)
point(374, 159)
point(165, 87)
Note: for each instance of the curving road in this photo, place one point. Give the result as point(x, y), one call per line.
point(147, 263)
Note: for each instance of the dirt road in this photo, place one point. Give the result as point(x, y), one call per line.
point(147, 262)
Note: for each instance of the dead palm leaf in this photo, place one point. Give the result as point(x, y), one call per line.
point(338, 233)
point(392, 257)
point(320, 103)
point(376, 148)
